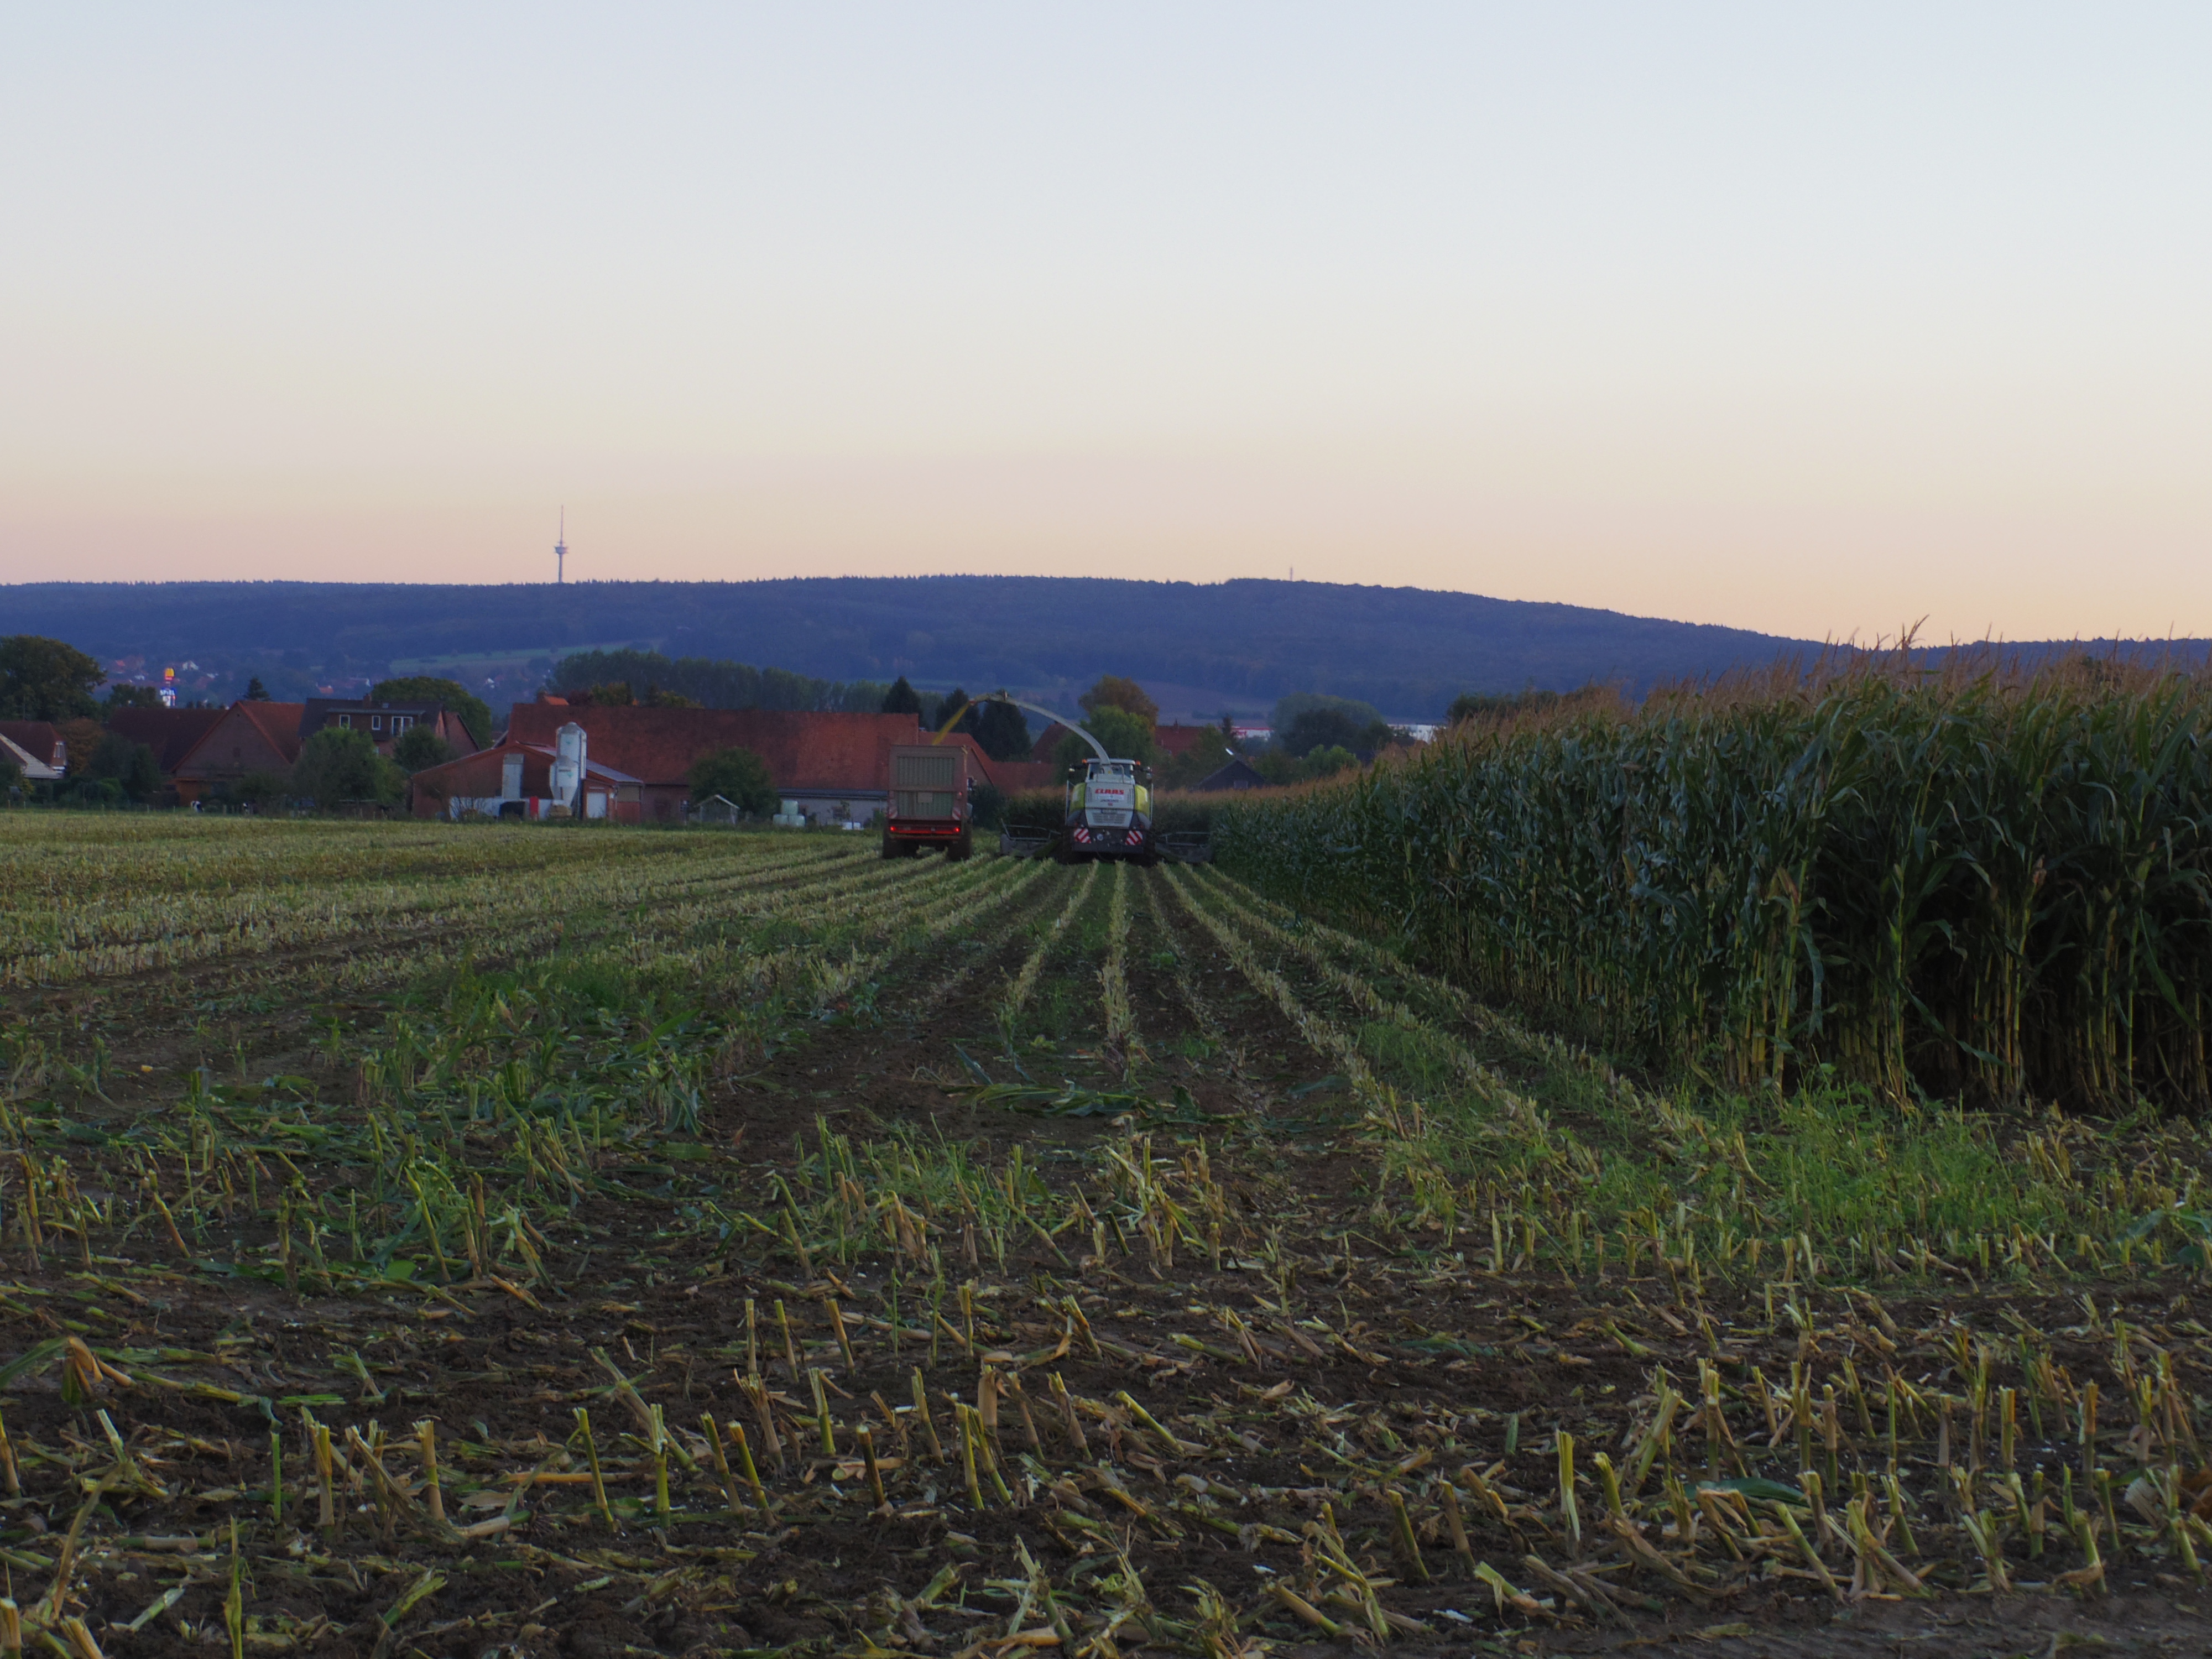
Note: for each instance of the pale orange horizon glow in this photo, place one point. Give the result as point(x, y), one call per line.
point(1821, 325)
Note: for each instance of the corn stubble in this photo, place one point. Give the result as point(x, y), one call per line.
point(1501, 1338)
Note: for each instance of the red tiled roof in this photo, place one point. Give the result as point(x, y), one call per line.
point(1171, 739)
point(31, 766)
point(807, 753)
point(278, 723)
point(1004, 775)
point(488, 766)
point(1012, 776)
point(1177, 739)
point(169, 732)
point(37, 738)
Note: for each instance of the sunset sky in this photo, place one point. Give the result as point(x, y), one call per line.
point(1818, 321)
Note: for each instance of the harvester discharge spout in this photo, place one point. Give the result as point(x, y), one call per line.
point(1109, 809)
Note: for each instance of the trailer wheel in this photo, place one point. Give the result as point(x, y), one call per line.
point(889, 851)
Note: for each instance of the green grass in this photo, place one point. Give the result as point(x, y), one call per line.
point(1834, 1166)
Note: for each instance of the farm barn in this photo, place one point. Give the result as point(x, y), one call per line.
point(820, 762)
point(250, 737)
point(516, 779)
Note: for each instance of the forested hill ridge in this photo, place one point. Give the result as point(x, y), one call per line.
point(1408, 651)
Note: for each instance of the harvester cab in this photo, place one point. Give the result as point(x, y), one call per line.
point(1109, 812)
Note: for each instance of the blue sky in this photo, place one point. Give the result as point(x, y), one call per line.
point(1817, 319)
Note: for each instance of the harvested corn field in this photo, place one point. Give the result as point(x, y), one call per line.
point(451, 1240)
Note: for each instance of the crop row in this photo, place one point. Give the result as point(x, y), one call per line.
point(155, 932)
point(1988, 885)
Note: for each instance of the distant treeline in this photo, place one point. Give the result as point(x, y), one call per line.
point(1406, 651)
point(713, 684)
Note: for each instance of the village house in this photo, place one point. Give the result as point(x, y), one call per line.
point(384, 722)
point(171, 733)
point(516, 779)
point(1173, 740)
point(249, 737)
point(823, 760)
point(38, 747)
point(1239, 774)
point(20, 759)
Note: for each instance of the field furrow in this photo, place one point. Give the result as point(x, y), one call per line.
point(732, 1241)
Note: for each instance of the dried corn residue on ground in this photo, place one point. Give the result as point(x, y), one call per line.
point(450, 1240)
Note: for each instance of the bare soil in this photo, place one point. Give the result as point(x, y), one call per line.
point(1300, 1358)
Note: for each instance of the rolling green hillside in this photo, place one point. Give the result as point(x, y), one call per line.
point(1407, 650)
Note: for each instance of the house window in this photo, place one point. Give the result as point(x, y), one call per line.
point(401, 722)
point(376, 722)
point(346, 721)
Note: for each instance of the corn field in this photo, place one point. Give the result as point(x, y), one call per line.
point(1974, 884)
point(521, 1240)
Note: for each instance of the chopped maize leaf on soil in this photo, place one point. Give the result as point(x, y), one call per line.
point(459, 1240)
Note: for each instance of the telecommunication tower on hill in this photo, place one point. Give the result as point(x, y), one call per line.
point(560, 551)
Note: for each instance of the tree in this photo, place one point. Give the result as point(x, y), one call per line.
point(1531, 700)
point(657, 698)
point(11, 772)
point(1112, 691)
point(1204, 756)
point(130, 696)
point(1289, 707)
point(255, 691)
point(955, 703)
point(474, 712)
point(420, 747)
point(44, 680)
point(255, 789)
point(1327, 761)
point(1322, 728)
point(1126, 736)
point(1002, 730)
point(82, 736)
point(614, 694)
point(988, 803)
point(738, 776)
point(338, 765)
point(902, 698)
point(89, 791)
point(131, 764)
point(711, 683)
point(142, 774)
